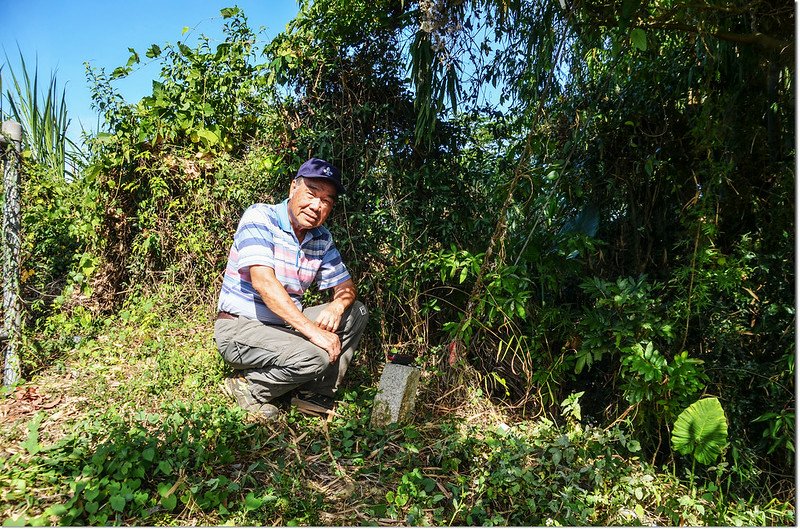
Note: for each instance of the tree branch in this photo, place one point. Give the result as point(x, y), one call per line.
point(760, 39)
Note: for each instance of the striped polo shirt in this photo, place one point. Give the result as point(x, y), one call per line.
point(265, 237)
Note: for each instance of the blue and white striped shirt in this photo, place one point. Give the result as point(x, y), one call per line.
point(265, 237)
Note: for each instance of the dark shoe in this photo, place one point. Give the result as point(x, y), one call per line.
point(238, 388)
point(312, 403)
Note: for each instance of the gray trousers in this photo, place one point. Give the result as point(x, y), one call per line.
point(276, 359)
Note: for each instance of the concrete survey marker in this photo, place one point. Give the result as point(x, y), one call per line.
point(397, 393)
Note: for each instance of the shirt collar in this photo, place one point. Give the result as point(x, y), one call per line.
point(283, 216)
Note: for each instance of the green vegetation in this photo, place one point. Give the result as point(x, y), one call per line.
point(44, 119)
point(142, 435)
point(593, 268)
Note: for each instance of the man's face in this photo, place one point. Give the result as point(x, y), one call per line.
point(311, 200)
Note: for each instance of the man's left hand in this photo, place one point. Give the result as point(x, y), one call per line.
point(330, 318)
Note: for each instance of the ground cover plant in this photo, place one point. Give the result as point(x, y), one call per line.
point(132, 430)
point(592, 267)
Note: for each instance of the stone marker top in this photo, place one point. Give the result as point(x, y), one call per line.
point(397, 393)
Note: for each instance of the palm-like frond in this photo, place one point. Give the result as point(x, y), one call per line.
point(43, 117)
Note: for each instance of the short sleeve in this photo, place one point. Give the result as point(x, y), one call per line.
point(332, 272)
point(254, 240)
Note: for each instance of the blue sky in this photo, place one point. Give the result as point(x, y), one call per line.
point(63, 34)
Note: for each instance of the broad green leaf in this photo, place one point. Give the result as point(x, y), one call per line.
point(133, 59)
point(648, 167)
point(252, 502)
point(153, 51)
point(639, 39)
point(117, 502)
point(701, 430)
point(21, 521)
point(228, 12)
point(164, 488)
point(209, 136)
point(58, 509)
point(104, 137)
point(169, 502)
point(119, 71)
point(580, 362)
point(165, 467)
point(31, 444)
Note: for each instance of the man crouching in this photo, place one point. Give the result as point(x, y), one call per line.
point(274, 345)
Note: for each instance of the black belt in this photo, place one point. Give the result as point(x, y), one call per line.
point(222, 315)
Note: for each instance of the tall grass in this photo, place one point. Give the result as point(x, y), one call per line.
point(44, 119)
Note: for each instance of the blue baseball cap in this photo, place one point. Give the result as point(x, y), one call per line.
point(317, 168)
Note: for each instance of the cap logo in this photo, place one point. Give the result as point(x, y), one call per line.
point(327, 171)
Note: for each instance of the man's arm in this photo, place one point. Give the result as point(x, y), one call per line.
point(278, 301)
point(344, 294)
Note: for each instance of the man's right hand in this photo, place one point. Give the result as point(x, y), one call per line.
point(328, 341)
